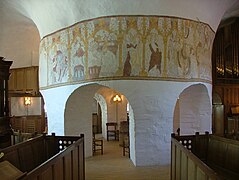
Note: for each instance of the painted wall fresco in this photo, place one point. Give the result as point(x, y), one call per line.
point(152, 47)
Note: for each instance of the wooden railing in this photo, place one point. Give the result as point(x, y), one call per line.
point(192, 156)
point(186, 165)
point(223, 156)
point(48, 157)
point(197, 144)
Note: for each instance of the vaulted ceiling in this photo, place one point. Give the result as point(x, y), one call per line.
point(25, 22)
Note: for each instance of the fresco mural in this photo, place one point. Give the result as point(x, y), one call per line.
point(128, 47)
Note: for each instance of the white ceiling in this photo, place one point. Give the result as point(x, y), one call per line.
point(26, 21)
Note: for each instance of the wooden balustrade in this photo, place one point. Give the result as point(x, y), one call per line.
point(204, 157)
point(48, 157)
point(223, 156)
point(185, 164)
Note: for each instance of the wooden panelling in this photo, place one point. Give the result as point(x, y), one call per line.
point(20, 81)
point(173, 162)
point(58, 170)
point(67, 164)
point(28, 124)
point(75, 163)
point(229, 95)
point(26, 158)
point(31, 79)
point(24, 80)
point(47, 174)
point(222, 156)
point(185, 165)
point(191, 169)
point(224, 153)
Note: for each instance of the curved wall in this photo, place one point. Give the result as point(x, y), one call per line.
point(167, 54)
point(127, 47)
point(195, 110)
point(153, 103)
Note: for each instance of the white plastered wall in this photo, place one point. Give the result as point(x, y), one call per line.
point(153, 104)
point(195, 110)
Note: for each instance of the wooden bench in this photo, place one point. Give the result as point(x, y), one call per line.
point(48, 157)
point(223, 156)
point(216, 153)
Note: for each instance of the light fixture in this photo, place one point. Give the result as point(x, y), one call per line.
point(117, 98)
point(27, 101)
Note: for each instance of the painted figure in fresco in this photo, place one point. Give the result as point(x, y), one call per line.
point(127, 66)
point(194, 64)
point(131, 46)
point(183, 62)
point(186, 62)
point(155, 58)
point(59, 66)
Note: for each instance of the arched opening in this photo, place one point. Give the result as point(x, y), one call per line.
point(82, 103)
point(192, 111)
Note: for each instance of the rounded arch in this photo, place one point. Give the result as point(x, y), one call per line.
point(193, 110)
point(78, 111)
point(103, 105)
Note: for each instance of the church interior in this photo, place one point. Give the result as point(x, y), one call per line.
point(119, 89)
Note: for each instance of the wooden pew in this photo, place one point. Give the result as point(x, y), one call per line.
point(218, 154)
point(185, 164)
point(223, 156)
point(48, 157)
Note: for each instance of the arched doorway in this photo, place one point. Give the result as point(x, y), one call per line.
point(78, 111)
point(192, 111)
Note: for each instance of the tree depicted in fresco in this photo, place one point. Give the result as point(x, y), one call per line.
point(183, 62)
point(155, 58)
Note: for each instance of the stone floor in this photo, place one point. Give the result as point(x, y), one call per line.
point(112, 165)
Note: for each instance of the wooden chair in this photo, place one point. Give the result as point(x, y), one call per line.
point(125, 146)
point(112, 131)
point(97, 145)
point(124, 136)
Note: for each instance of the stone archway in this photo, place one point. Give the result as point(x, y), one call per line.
point(193, 110)
point(78, 111)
